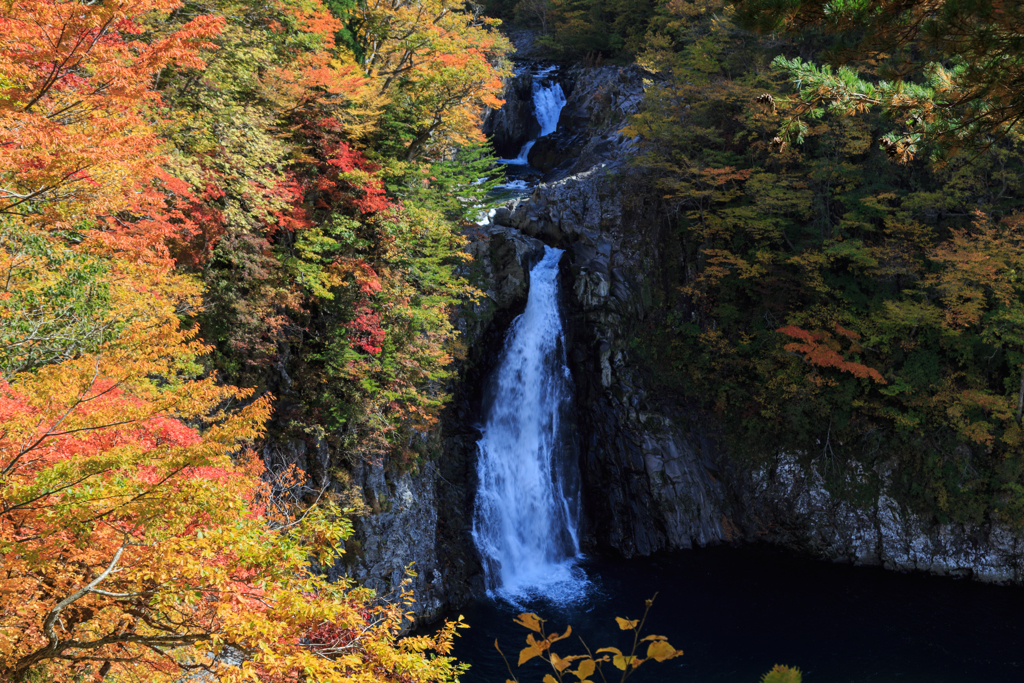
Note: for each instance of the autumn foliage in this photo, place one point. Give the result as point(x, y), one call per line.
point(823, 350)
point(186, 193)
point(836, 299)
point(589, 667)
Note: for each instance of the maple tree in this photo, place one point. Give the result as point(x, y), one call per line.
point(440, 66)
point(134, 542)
point(307, 193)
point(140, 533)
point(77, 78)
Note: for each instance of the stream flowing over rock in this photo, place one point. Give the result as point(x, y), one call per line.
point(654, 477)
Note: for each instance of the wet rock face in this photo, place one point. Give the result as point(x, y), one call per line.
point(400, 525)
point(645, 477)
point(598, 102)
point(789, 504)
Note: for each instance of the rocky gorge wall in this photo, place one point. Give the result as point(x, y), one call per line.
point(426, 514)
point(654, 476)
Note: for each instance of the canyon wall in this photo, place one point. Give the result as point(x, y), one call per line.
point(653, 472)
point(654, 475)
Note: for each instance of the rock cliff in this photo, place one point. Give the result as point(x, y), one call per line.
point(789, 504)
point(423, 515)
point(653, 474)
point(654, 477)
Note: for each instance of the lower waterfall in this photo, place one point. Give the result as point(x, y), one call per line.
point(528, 502)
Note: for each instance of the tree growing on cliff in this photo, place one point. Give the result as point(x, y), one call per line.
point(140, 536)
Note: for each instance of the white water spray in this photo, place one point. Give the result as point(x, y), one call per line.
point(527, 508)
point(548, 101)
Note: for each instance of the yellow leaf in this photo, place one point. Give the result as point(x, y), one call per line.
point(613, 650)
point(563, 663)
point(530, 621)
point(652, 637)
point(541, 645)
point(528, 653)
point(548, 678)
point(585, 669)
point(660, 650)
point(622, 661)
point(626, 624)
point(555, 637)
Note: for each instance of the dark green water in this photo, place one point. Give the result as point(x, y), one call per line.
point(736, 612)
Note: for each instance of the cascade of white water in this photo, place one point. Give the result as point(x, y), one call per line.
point(527, 508)
point(548, 100)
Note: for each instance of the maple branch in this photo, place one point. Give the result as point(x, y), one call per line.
point(49, 432)
point(26, 503)
point(119, 596)
point(33, 196)
point(54, 613)
point(54, 76)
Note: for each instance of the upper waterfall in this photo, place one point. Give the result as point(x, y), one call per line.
point(527, 509)
point(548, 101)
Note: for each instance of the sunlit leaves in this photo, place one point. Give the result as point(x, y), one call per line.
point(137, 527)
point(530, 621)
point(588, 664)
point(440, 66)
point(660, 650)
point(78, 142)
point(626, 624)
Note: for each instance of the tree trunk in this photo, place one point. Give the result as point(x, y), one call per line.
point(1020, 397)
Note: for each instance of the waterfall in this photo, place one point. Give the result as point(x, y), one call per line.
point(527, 508)
point(548, 100)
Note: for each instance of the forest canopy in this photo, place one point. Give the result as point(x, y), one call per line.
point(227, 221)
point(196, 198)
point(948, 73)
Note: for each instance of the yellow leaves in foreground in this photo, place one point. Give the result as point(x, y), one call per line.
point(530, 621)
point(588, 664)
point(625, 624)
